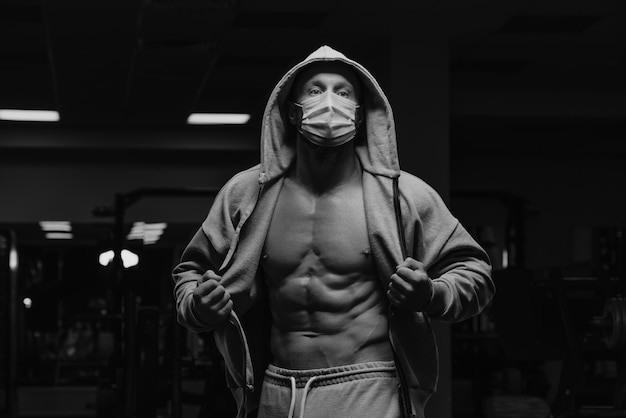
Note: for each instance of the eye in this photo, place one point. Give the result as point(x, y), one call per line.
point(343, 93)
point(313, 91)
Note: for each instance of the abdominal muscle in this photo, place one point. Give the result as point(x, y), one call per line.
point(328, 320)
point(327, 303)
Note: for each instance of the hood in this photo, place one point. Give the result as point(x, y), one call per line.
point(376, 142)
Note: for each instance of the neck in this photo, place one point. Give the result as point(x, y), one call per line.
point(323, 169)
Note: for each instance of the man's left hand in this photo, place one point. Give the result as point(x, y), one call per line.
point(410, 287)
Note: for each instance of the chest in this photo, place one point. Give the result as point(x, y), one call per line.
point(328, 232)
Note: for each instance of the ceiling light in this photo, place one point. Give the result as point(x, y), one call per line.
point(149, 233)
point(13, 260)
point(159, 226)
point(56, 226)
point(218, 118)
point(29, 115)
point(59, 235)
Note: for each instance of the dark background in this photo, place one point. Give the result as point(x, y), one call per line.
point(514, 110)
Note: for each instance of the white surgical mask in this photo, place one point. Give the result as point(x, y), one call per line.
point(328, 119)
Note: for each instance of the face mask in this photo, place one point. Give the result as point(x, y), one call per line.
point(328, 120)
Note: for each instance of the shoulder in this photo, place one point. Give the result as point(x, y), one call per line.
point(241, 184)
point(241, 190)
point(422, 199)
point(245, 178)
point(412, 187)
point(237, 194)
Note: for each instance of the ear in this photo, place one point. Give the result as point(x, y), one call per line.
point(292, 114)
point(360, 116)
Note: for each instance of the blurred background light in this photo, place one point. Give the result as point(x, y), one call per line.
point(218, 119)
point(129, 259)
point(29, 115)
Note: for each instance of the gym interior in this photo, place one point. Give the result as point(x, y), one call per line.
point(513, 111)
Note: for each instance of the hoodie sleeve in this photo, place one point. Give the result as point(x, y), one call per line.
point(206, 251)
point(457, 264)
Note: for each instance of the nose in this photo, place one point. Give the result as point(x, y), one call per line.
point(329, 102)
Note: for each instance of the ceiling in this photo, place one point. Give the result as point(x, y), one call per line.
point(525, 66)
point(545, 74)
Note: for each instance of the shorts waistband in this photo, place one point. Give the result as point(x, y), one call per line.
point(332, 375)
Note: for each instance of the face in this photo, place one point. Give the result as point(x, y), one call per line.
point(332, 76)
point(326, 128)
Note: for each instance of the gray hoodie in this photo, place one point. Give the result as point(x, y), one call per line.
point(405, 217)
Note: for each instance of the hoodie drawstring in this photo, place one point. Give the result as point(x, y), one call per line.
point(403, 390)
point(398, 210)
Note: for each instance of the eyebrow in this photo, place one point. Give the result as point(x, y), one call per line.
point(341, 84)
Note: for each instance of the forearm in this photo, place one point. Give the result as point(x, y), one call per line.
point(185, 311)
point(195, 261)
point(462, 291)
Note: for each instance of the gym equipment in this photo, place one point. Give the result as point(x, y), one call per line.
point(133, 370)
point(613, 323)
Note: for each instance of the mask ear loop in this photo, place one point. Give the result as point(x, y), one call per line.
point(359, 116)
point(294, 112)
point(297, 117)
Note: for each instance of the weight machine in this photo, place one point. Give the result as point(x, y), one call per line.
point(577, 321)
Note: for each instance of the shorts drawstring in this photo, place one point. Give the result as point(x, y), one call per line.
point(292, 405)
point(304, 393)
point(309, 382)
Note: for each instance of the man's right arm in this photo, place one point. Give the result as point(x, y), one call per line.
point(201, 301)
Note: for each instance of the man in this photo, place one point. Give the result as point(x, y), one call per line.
point(319, 269)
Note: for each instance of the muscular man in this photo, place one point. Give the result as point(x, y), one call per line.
point(328, 233)
point(327, 305)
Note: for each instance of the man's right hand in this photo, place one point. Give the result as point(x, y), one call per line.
point(211, 301)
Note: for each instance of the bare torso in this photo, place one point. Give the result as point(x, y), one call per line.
point(327, 304)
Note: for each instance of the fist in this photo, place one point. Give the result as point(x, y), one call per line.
point(410, 287)
point(211, 301)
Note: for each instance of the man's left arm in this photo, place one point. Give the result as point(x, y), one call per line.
point(461, 278)
point(449, 275)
